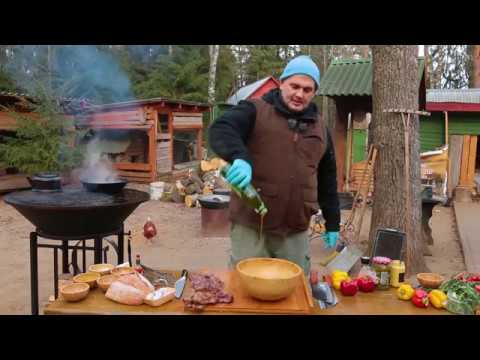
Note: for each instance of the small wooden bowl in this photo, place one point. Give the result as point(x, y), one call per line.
point(430, 280)
point(102, 269)
point(75, 292)
point(105, 281)
point(89, 278)
point(123, 271)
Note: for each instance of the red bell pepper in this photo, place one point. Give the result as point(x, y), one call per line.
point(420, 298)
point(366, 284)
point(477, 287)
point(348, 287)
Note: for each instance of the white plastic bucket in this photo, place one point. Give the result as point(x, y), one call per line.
point(156, 190)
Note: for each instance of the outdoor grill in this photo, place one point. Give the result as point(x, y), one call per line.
point(74, 214)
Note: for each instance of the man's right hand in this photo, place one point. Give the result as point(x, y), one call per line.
point(240, 174)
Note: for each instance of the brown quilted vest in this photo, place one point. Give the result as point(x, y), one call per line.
point(285, 165)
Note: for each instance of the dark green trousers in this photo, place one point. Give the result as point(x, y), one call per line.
point(246, 243)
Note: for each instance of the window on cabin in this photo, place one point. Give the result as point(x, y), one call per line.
point(184, 146)
point(162, 123)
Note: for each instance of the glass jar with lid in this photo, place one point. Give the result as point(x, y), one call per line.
point(366, 270)
point(397, 273)
point(381, 265)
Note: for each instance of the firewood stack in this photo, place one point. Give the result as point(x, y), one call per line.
point(188, 188)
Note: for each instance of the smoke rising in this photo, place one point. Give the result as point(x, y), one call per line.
point(97, 167)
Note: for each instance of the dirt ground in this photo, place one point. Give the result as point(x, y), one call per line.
point(178, 245)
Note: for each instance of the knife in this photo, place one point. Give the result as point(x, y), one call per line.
point(180, 284)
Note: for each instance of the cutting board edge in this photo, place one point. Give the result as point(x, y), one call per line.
point(230, 308)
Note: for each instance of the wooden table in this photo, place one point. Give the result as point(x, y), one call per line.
point(377, 303)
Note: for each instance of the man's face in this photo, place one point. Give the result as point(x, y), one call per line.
point(297, 92)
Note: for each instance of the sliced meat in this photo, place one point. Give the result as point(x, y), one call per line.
point(223, 297)
point(207, 289)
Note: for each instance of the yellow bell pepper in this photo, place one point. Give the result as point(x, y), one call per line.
point(438, 299)
point(405, 292)
point(338, 277)
point(339, 274)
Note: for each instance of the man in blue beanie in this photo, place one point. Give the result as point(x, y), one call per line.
point(281, 145)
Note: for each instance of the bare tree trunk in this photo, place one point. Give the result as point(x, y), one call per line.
point(474, 71)
point(214, 50)
point(325, 63)
point(395, 70)
point(437, 56)
point(428, 66)
point(328, 104)
point(49, 66)
point(365, 51)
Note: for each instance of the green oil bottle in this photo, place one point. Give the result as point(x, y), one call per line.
point(249, 195)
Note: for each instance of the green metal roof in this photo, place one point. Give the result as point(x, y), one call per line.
point(352, 77)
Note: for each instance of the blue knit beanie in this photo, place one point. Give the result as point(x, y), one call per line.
point(302, 65)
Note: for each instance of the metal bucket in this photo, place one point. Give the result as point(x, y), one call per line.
point(215, 222)
point(215, 215)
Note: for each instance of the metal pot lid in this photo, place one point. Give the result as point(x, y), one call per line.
point(46, 176)
point(222, 191)
point(214, 198)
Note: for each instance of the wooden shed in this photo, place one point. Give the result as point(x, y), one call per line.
point(146, 138)
point(455, 121)
point(14, 102)
point(349, 84)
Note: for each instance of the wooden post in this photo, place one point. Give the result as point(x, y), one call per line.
point(464, 163)
point(348, 157)
point(170, 131)
point(154, 145)
point(471, 161)
point(446, 127)
point(152, 152)
point(447, 180)
point(408, 214)
point(199, 144)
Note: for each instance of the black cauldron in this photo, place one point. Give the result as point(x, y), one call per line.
point(107, 187)
point(46, 182)
point(75, 212)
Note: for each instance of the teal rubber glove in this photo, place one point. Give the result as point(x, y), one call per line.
point(240, 174)
point(330, 238)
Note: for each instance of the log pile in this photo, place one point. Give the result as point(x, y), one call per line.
point(197, 182)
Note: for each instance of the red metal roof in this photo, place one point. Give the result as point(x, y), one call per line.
point(450, 106)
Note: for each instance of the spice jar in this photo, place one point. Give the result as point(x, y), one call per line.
point(381, 265)
point(397, 273)
point(366, 270)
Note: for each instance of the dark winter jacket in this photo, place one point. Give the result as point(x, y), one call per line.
point(229, 138)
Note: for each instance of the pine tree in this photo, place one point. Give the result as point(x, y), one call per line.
point(44, 141)
point(183, 75)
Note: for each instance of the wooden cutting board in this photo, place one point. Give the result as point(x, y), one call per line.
point(300, 302)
